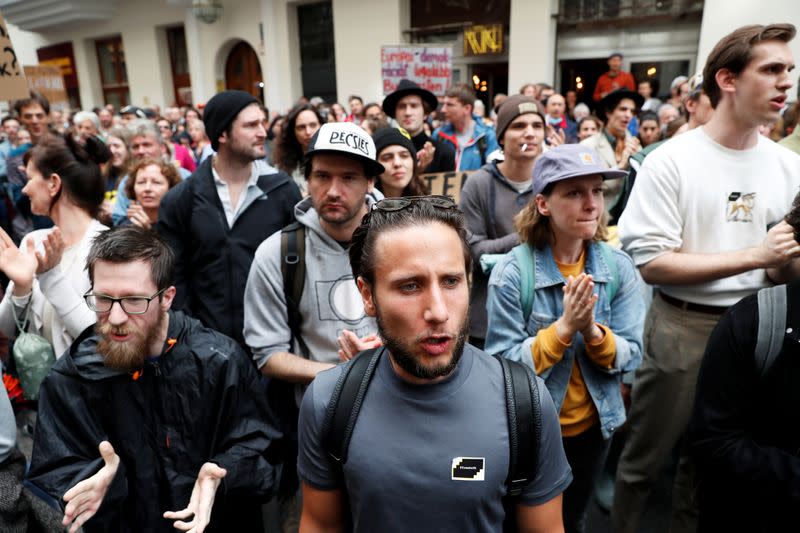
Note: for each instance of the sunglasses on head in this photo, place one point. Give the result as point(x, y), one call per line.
point(398, 204)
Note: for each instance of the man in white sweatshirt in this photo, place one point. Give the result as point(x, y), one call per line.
point(705, 224)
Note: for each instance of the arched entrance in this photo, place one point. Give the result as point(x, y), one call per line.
point(243, 71)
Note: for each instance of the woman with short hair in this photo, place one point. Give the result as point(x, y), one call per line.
point(150, 179)
point(571, 307)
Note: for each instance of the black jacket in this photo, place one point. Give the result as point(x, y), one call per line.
point(213, 260)
point(200, 402)
point(444, 157)
point(745, 429)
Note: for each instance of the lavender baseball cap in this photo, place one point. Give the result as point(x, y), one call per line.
point(569, 161)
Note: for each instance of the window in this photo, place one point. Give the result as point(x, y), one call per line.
point(179, 61)
point(318, 64)
point(113, 74)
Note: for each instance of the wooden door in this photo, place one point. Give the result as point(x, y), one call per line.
point(243, 72)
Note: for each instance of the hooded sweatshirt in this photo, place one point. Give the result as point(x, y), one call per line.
point(330, 302)
point(489, 202)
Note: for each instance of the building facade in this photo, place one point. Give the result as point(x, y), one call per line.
point(160, 52)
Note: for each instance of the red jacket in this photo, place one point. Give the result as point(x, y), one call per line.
point(606, 84)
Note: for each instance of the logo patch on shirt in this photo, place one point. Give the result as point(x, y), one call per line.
point(740, 207)
point(468, 469)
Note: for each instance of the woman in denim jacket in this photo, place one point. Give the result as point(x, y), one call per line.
point(585, 327)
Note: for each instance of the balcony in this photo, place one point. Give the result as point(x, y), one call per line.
point(39, 15)
point(585, 14)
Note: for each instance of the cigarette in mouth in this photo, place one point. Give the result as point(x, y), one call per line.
point(524, 147)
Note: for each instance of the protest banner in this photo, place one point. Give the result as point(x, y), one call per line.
point(447, 183)
point(12, 77)
point(431, 67)
point(49, 82)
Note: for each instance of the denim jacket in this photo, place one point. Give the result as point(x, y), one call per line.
point(624, 316)
point(471, 158)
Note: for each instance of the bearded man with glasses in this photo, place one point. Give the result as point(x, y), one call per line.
point(149, 411)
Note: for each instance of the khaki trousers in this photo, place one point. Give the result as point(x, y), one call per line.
point(661, 405)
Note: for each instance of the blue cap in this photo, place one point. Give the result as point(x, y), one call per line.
point(569, 161)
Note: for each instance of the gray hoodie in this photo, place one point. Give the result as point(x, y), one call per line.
point(330, 302)
point(489, 203)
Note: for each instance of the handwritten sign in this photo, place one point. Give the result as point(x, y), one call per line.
point(49, 82)
point(12, 77)
point(483, 40)
point(429, 66)
point(447, 183)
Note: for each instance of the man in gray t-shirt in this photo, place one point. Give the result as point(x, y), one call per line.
point(433, 402)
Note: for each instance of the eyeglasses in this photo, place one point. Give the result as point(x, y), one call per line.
point(132, 305)
point(398, 204)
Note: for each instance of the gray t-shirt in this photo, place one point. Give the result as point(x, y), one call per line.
point(408, 438)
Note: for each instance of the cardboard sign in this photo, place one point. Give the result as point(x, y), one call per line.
point(429, 66)
point(49, 82)
point(447, 183)
point(12, 77)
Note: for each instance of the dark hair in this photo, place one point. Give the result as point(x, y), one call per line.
point(272, 124)
point(793, 217)
point(355, 97)
point(125, 244)
point(7, 118)
point(593, 118)
point(647, 115)
point(288, 152)
point(34, 99)
point(76, 164)
point(167, 169)
point(362, 246)
point(463, 93)
point(416, 187)
point(371, 105)
point(734, 51)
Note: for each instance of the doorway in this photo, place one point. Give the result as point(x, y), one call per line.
point(581, 75)
point(489, 79)
point(243, 71)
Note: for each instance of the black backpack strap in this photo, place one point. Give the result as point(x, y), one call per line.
point(524, 424)
point(293, 269)
point(345, 403)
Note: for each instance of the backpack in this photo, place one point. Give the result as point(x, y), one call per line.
point(526, 259)
point(772, 309)
point(522, 409)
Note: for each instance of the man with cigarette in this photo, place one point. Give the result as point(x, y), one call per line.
point(497, 192)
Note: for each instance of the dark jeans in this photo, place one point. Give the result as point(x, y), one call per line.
point(586, 454)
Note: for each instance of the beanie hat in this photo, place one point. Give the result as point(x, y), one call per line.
point(391, 136)
point(221, 110)
point(513, 107)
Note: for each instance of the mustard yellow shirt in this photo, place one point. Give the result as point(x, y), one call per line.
point(578, 412)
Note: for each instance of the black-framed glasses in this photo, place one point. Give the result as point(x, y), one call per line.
point(132, 305)
point(402, 202)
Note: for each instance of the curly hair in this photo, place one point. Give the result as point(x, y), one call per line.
point(167, 169)
point(288, 152)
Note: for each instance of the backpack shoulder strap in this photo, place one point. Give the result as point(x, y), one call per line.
point(608, 257)
point(345, 404)
point(772, 304)
point(293, 269)
point(524, 424)
point(526, 260)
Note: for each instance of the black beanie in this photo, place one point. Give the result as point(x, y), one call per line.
point(388, 136)
point(221, 110)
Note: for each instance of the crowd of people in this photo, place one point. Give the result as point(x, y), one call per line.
point(210, 307)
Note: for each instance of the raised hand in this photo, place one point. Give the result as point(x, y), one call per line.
point(138, 217)
point(195, 517)
point(53, 251)
point(84, 499)
point(579, 300)
point(778, 247)
point(425, 156)
point(18, 265)
point(350, 345)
